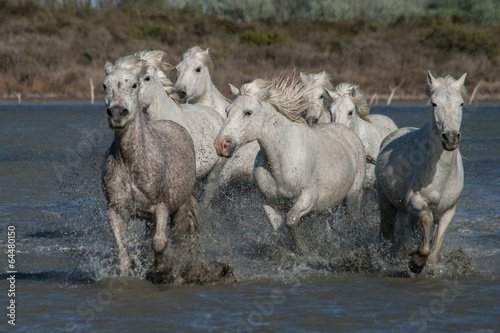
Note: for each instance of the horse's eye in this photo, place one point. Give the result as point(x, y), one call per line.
point(434, 104)
point(104, 86)
point(461, 104)
point(147, 78)
point(198, 69)
point(247, 113)
point(350, 113)
point(134, 86)
point(321, 97)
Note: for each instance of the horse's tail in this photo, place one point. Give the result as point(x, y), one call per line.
point(185, 223)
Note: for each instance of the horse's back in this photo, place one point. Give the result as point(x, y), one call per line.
point(338, 134)
point(341, 142)
point(384, 124)
point(393, 169)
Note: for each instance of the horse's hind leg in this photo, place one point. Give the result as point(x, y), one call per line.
point(185, 223)
point(387, 216)
point(443, 224)
point(354, 198)
point(119, 228)
point(160, 238)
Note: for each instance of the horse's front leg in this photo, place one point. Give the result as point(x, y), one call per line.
point(160, 237)
point(267, 185)
point(417, 206)
point(302, 206)
point(119, 228)
point(443, 224)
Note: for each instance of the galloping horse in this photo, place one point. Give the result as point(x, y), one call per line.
point(299, 169)
point(420, 173)
point(149, 172)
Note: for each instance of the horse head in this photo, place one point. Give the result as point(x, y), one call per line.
point(121, 97)
point(193, 74)
point(447, 99)
point(316, 84)
point(244, 117)
point(348, 105)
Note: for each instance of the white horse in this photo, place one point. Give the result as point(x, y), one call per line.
point(317, 84)
point(349, 108)
point(202, 123)
point(299, 169)
point(194, 85)
point(420, 172)
point(149, 173)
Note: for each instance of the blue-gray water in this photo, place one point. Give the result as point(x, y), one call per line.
point(50, 158)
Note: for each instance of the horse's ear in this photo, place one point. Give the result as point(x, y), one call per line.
point(460, 82)
point(330, 94)
point(352, 91)
point(108, 68)
point(206, 51)
point(430, 79)
point(156, 57)
point(235, 91)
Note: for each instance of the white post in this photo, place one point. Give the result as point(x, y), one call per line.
point(91, 92)
point(474, 91)
point(18, 95)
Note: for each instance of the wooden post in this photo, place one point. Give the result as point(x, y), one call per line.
point(374, 98)
point(475, 91)
point(18, 95)
point(91, 92)
point(393, 91)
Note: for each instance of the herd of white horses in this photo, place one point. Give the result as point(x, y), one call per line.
point(304, 157)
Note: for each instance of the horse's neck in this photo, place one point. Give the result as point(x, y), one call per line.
point(164, 108)
point(325, 117)
point(438, 158)
point(276, 136)
point(133, 141)
point(213, 98)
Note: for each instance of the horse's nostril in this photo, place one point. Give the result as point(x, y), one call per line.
point(226, 144)
point(124, 112)
point(458, 137)
point(109, 113)
point(182, 94)
point(445, 138)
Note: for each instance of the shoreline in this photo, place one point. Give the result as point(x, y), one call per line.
point(378, 100)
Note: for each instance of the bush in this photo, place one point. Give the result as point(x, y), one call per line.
point(461, 38)
point(263, 36)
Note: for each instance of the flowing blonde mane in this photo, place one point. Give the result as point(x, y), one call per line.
point(322, 79)
point(286, 93)
point(202, 55)
point(356, 96)
point(158, 59)
point(130, 63)
point(444, 81)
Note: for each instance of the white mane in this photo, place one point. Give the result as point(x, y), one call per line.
point(354, 93)
point(285, 92)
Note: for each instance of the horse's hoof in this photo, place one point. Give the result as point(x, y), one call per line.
point(415, 268)
point(160, 274)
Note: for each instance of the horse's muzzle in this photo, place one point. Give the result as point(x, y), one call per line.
point(117, 117)
point(224, 147)
point(450, 140)
point(181, 92)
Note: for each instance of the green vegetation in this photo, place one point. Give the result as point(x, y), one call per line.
point(52, 48)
